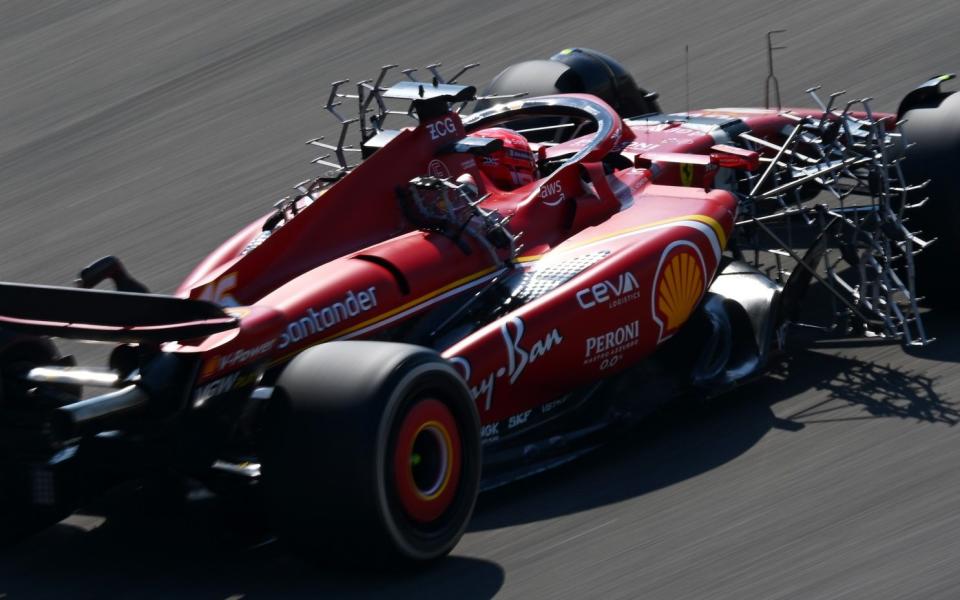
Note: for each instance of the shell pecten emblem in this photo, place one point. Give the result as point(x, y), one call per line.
point(679, 285)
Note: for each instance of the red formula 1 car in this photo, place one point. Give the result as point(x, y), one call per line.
point(477, 299)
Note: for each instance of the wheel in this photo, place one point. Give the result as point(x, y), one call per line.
point(934, 129)
point(372, 449)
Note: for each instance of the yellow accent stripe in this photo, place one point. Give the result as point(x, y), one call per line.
point(392, 312)
point(413, 303)
point(717, 228)
point(713, 223)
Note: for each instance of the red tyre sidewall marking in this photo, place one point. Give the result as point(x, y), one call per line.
point(426, 414)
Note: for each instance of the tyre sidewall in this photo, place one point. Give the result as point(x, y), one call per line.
point(327, 468)
point(409, 538)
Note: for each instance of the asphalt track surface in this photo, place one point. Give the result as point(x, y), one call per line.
point(152, 130)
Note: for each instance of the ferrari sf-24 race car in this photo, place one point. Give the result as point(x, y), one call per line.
point(477, 297)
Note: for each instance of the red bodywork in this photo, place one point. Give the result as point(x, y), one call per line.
point(645, 242)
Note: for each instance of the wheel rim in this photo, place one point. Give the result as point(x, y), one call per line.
point(426, 460)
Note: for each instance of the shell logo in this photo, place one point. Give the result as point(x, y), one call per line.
point(680, 284)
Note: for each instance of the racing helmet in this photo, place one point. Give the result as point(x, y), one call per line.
point(511, 166)
point(598, 74)
point(576, 70)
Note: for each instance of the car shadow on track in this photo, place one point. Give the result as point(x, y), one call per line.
point(944, 326)
point(149, 548)
point(690, 440)
point(186, 551)
point(864, 390)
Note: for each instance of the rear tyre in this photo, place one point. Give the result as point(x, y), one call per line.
point(372, 449)
point(934, 128)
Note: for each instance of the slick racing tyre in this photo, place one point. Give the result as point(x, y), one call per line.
point(372, 452)
point(933, 129)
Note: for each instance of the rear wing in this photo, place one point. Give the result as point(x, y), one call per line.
point(122, 317)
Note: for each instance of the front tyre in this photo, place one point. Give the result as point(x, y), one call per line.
point(372, 450)
point(933, 128)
